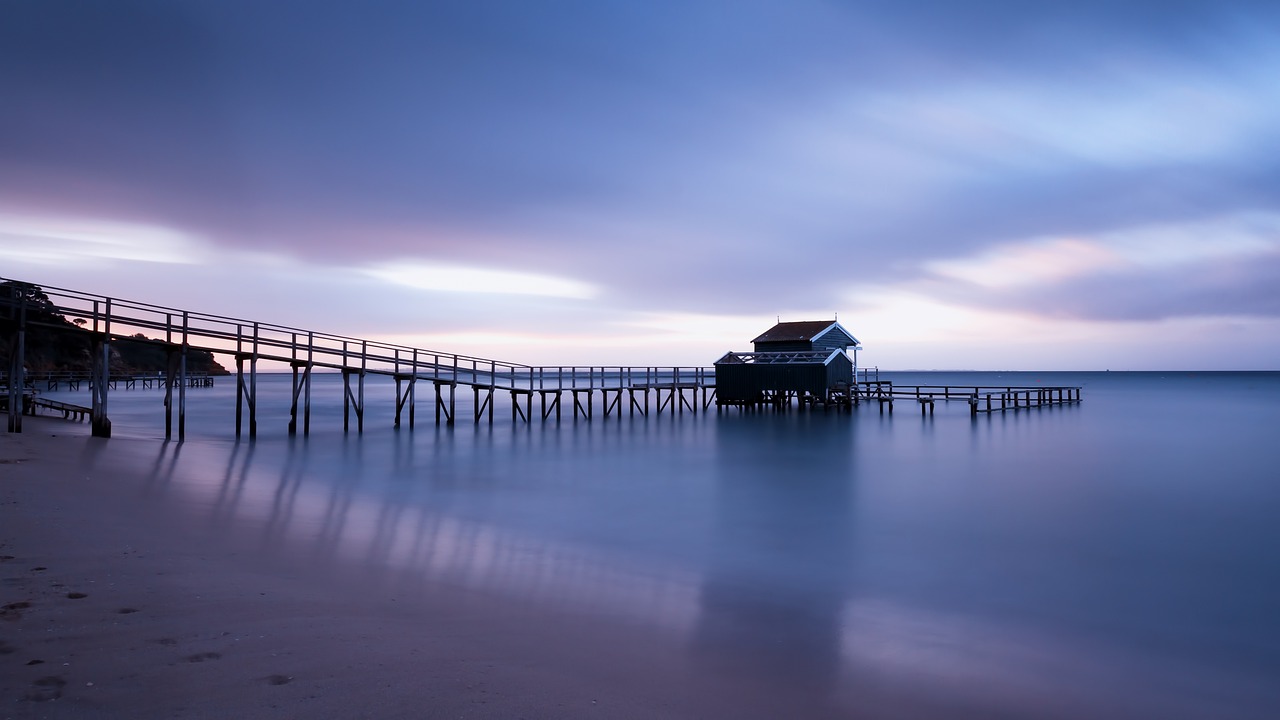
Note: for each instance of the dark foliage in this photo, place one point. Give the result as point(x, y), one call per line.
point(53, 343)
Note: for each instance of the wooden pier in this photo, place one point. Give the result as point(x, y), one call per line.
point(586, 390)
point(107, 320)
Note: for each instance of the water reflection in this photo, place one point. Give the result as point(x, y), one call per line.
point(772, 598)
point(1109, 559)
point(397, 518)
point(283, 501)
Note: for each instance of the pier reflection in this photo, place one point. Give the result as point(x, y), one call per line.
point(408, 521)
point(772, 600)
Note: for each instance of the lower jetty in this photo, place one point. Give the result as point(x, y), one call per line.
point(981, 399)
point(762, 379)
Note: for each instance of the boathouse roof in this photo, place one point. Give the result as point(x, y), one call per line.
point(806, 330)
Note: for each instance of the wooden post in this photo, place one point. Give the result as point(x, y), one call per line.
point(102, 374)
point(306, 394)
point(239, 378)
point(182, 380)
point(346, 391)
point(253, 387)
point(413, 388)
point(170, 377)
point(17, 362)
point(295, 392)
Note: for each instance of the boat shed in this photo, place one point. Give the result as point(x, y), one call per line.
point(807, 360)
point(757, 377)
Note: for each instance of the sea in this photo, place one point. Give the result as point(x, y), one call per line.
point(1119, 557)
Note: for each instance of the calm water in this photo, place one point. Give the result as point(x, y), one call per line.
point(1119, 558)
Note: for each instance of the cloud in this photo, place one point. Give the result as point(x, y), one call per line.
point(61, 241)
point(1224, 266)
point(459, 279)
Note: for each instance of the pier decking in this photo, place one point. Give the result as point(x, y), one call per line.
point(637, 390)
point(106, 319)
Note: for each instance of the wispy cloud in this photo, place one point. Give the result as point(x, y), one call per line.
point(1047, 261)
point(459, 279)
point(68, 241)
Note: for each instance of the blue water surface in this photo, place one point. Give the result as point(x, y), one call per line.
point(1115, 558)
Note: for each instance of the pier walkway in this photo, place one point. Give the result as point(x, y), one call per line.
point(638, 390)
point(614, 389)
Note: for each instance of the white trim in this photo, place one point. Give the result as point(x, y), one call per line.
point(842, 329)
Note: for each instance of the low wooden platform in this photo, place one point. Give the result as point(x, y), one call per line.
point(981, 399)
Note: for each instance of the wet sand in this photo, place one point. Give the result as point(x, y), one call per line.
point(115, 604)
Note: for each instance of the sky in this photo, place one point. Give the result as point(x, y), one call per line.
point(965, 185)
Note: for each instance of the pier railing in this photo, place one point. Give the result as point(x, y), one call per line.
point(254, 340)
point(106, 319)
point(675, 389)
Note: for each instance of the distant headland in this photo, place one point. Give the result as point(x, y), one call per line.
point(55, 344)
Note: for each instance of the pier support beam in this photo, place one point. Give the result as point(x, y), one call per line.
point(611, 405)
point(352, 399)
point(555, 403)
point(692, 403)
point(406, 397)
point(175, 373)
point(247, 393)
point(441, 408)
point(99, 381)
point(301, 388)
point(481, 407)
point(521, 413)
point(17, 362)
point(635, 404)
point(578, 406)
point(675, 399)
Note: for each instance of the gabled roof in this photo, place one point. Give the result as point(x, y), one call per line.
point(805, 330)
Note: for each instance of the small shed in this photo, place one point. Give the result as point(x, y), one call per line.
point(791, 359)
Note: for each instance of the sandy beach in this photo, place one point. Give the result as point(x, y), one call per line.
point(118, 604)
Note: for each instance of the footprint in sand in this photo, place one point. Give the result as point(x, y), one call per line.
point(127, 611)
point(278, 679)
point(76, 595)
point(6, 648)
point(46, 688)
point(201, 657)
point(13, 610)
